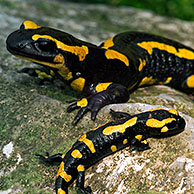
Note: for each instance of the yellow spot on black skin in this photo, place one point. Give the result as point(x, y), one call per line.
point(78, 84)
point(59, 59)
point(142, 64)
point(181, 52)
point(113, 148)
point(144, 142)
point(102, 86)
point(60, 191)
point(80, 51)
point(82, 103)
point(125, 141)
point(157, 124)
point(139, 137)
point(190, 81)
point(30, 25)
point(112, 54)
point(108, 43)
point(63, 174)
point(147, 81)
point(80, 168)
point(164, 129)
point(120, 128)
point(76, 154)
point(88, 142)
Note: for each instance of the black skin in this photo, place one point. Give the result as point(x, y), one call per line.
point(97, 68)
point(103, 142)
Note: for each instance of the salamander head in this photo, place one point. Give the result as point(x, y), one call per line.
point(163, 123)
point(42, 45)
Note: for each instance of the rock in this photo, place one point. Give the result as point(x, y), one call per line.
point(33, 117)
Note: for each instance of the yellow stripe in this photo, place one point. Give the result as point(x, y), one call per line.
point(56, 66)
point(112, 54)
point(181, 52)
point(80, 51)
point(156, 123)
point(88, 142)
point(120, 128)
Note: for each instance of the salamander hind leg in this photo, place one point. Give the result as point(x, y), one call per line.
point(80, 181)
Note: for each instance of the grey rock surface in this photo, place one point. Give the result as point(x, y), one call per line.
point(33, 117)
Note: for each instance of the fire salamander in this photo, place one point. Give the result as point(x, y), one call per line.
point(108, 138)
point(107, 73)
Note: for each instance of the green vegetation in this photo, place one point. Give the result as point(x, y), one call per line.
point(182, 9)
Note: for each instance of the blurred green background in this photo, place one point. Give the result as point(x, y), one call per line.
point(183, 9)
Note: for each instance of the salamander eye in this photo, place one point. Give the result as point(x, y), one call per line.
point(45, 45)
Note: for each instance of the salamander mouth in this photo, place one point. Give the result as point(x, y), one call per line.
point(55, 62)
point(44, 63)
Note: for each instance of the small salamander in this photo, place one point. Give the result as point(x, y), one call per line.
point(108, 138)
point(107, 73)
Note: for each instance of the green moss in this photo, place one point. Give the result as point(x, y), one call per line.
point(9, 4)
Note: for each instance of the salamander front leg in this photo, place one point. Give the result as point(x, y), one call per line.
point(80, 181)
point(114, 93)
